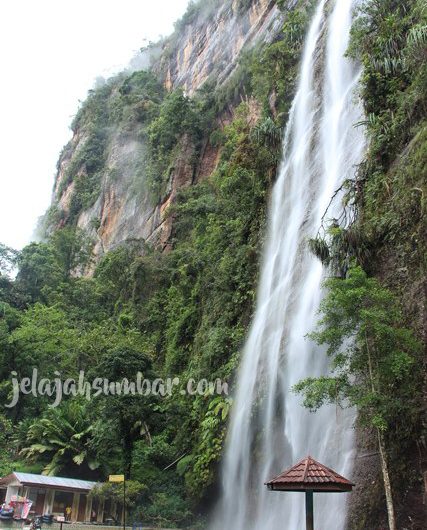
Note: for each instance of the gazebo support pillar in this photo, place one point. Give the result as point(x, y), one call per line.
point(309, 511)
point(309, 477)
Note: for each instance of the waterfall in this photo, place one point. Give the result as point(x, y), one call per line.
point(270, 430)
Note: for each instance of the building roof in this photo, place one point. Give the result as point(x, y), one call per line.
point(310, 475)
point(60, 483)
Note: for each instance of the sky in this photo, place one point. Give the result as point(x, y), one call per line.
point(51, 53)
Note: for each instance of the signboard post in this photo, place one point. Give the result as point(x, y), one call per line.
point(118, 479)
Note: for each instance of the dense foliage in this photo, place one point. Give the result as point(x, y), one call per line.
point(384, 230)
point(373, 358)
point(374, 364)
point(181, 314)
point(185, 313)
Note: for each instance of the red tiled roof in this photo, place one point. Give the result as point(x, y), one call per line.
point(310, 475)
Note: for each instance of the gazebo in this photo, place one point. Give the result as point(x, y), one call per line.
point(309, 476)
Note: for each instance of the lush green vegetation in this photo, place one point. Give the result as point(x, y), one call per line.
point(372, 354)
point(179, 314)
point(391, 39)
point(386, 234)
point(179, 120)
point(185, 313)
point(86, 165)
point(375, 365)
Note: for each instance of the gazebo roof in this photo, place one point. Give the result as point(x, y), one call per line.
point(309, 475)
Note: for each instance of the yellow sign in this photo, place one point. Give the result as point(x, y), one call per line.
point(116, 478)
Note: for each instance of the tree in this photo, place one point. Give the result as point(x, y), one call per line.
point(114, 492)
point(45, 339)
point(130, 413)
point(38, 268)
point(6, 447)
point(43, 266)
point(9, 320)
point(73, 250)
point(61, 440)
point(373, 361)
point(8, 259)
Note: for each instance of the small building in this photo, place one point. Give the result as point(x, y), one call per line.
point(52, 495)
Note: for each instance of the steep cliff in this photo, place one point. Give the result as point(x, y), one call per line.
point(210, 43)
point(104, 161)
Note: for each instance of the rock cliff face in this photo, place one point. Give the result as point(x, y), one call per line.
point(206, 47)
point(211, 45)
point(122, 212)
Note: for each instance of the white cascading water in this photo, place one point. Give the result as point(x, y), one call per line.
point(270, 430)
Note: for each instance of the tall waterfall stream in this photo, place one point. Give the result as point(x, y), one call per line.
point(270, 430)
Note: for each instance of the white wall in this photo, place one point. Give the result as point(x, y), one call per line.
point(11, 490)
